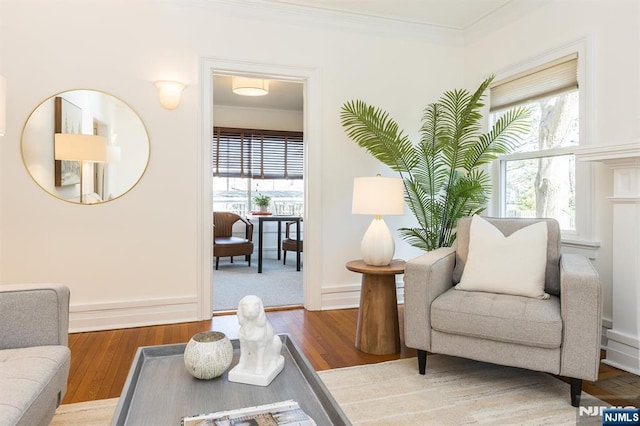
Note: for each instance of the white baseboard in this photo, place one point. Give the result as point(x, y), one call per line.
point(607, 324)
point(623, 351)
point(348, 296)
point(138, 313)
point(340, 297)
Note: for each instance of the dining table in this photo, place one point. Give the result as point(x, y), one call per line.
point(279, 219)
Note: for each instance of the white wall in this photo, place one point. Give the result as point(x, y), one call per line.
point(134, 260)
point(255, 118)
point(611, 32)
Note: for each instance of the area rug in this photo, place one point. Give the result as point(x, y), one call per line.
point(278, 285)
point(454, 391)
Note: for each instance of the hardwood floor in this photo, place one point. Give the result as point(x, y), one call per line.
point(100, 361)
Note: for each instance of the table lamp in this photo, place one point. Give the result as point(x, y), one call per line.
point(80, 148)
point(378, 196)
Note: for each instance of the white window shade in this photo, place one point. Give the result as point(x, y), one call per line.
point(546, 80)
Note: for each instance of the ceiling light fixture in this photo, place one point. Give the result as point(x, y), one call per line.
point(245, 86)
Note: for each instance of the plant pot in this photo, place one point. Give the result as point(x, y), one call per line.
point(263, 209)
point(208, 354)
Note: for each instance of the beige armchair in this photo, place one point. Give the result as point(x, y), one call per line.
point(559, 335)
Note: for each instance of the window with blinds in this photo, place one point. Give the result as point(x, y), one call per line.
point(257, 154)
point(538, 179)
point(553, 78)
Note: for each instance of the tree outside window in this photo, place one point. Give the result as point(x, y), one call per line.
point(538, 178)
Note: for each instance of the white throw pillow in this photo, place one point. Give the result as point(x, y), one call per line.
point(509, 265)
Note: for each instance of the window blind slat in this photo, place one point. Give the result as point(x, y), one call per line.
point(549, 79)
point(263, 154)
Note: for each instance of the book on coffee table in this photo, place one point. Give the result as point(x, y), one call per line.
point(281, 413)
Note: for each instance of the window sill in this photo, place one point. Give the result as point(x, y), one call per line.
point(584, 247)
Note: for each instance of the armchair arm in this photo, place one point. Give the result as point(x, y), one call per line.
point(425, 278)
point(248, 229)
point(581, 310)
point(33, 315)
point(287, 228)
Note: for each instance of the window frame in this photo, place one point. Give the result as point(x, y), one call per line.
point(583, 234)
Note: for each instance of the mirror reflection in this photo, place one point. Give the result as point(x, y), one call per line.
point(85, 146)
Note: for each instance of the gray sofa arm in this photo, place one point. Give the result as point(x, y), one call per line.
point(33, 315)
point(581, 310)
point(425, 278)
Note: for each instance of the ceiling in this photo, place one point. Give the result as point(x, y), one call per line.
point(453, 14)
point(450, 14)
point(283, 95)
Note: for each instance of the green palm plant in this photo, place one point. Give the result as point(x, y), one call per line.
point(443, 174)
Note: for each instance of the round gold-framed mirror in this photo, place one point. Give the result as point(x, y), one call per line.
point(85, 146)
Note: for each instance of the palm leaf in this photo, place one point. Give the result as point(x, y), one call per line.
point(501, 138)
point(375, 131)
point(442, 181)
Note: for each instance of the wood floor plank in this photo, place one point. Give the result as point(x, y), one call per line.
point(100, 361)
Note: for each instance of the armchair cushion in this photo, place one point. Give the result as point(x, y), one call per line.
point(508, 226)
point(513, 264)
point(500, 317)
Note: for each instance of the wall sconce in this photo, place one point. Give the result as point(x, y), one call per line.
point(169, 93)
point(249, 86)
point(3, 105)
point(378, 196)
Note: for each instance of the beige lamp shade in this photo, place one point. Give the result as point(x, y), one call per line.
point(78, 147)
point(378, 195)
point(3, 105)
point(245, 86)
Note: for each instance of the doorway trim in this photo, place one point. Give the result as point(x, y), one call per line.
point(310, 77)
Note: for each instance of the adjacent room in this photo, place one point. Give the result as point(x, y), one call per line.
point(429, 215)
point(258, 182)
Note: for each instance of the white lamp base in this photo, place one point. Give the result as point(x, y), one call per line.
point(377, 244)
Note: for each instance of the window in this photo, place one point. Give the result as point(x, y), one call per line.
point(539, 178)
point(251, 161)
point(263, 154)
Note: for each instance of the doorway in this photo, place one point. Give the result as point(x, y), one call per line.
point(312, 91)
point(258, 159)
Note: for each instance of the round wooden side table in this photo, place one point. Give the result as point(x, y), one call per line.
point(378, 329)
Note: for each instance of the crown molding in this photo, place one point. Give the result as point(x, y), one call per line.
point(507, 14)
point(346, 21)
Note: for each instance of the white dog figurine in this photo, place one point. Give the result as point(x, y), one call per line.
point(260, 357)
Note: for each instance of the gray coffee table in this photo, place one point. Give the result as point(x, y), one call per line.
point(160, 391)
